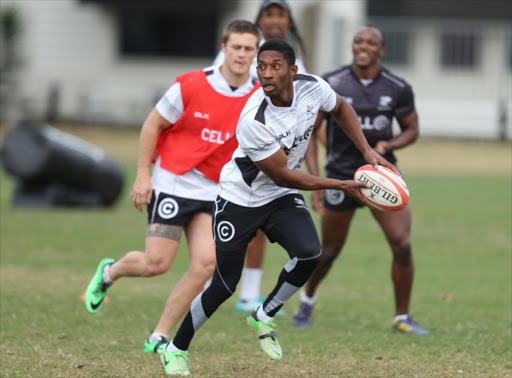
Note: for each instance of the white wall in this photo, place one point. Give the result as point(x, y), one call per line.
point(460, 102)
point(75, 44)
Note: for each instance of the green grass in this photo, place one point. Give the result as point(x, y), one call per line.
point(461, 237)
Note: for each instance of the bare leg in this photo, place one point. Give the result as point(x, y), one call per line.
point(335, 227)
point(162, 242)
point(202, 264)
point(397, 228)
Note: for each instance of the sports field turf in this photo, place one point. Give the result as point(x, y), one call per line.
point(461, 198)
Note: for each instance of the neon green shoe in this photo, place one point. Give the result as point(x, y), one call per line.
point(175, 363)
point(156, 346)
point(97, 289)
point(267, 335)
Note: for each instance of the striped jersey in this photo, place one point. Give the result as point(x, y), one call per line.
point(262, 130)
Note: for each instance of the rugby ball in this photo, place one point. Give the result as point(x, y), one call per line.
point(388, 190)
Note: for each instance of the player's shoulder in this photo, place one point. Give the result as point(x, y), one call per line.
point(338, 75)
point(254, 109)
point(196, 75)
point(393, 78)
point(253, 120)
point(304, 82)
point(305, 77)
point(337, 72)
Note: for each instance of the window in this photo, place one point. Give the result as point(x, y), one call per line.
point(459, 49)
point(169, 28)
point(398, 49)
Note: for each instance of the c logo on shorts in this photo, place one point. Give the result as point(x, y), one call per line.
point(226, 231)
point(168, 208)
point(334, 197)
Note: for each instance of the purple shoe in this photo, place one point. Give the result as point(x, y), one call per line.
point(303, 316)
point(409, 325)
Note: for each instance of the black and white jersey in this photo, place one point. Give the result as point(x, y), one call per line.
point(376, 103)
point(262, 130)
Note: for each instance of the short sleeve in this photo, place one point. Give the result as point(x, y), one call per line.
point(328, 96)
point(170, 106)
point(256, 140)
point(404, 103)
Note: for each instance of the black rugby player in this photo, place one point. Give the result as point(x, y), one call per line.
point(259, 190)
point(377, 95)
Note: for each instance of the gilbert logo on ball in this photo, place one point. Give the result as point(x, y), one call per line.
point(388, 190)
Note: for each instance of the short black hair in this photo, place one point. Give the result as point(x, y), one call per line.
point(279, 45)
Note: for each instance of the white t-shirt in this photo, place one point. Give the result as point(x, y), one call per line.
point(219, 59)
point(193, 184)
point(262, 130)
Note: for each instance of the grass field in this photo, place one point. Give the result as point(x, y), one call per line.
point(462, 221)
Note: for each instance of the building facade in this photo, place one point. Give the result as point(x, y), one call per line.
point(108, 62)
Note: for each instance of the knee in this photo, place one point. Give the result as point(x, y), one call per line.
point(327, 258)
point(402, 254)
point(224, 286)
point(310, 259)
point(155, 267)
point(203, 269)
point(315, 261)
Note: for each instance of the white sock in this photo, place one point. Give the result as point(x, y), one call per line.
point(105, 276)
point(401, 317)
point(156, 336)
point(262, 316)
point(171, 348)
point(251, 281)
point(309, 300)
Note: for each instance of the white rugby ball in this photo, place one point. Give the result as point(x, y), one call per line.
point(388, 191)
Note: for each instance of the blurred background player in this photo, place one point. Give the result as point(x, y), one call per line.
point(377, 95)
point(274, 20)
point(192, 131)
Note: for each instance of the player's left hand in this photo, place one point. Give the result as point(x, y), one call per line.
point(352, 188)
point(374, 159)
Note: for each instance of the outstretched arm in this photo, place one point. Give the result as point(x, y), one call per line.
point(275, 167)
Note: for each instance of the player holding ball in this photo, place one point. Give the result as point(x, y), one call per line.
point(377, 95)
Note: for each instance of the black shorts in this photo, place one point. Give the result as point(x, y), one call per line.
point(337, 200)
point(177, 211)
point(286, 220)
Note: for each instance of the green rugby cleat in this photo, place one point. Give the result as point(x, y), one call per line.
point(97, 289)
point(175, 363)
point(267, 335)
